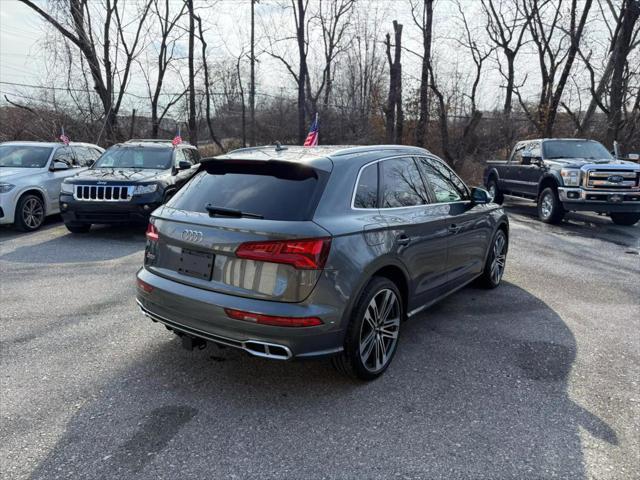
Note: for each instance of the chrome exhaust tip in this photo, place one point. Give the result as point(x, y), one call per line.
point(267, 350)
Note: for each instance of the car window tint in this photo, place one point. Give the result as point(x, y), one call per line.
point(84, 156)
point(64, 154)
point(446, 185)
point(367, 189)
point(402, 185)
point(276, 191)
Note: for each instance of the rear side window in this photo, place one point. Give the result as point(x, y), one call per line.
point(367, 189)
point(278, 191)
point(402, 184)
point(446, 185)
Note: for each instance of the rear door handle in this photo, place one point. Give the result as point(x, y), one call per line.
point(403, 239)
point(453, 228)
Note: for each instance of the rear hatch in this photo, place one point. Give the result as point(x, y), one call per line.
point(243, 228)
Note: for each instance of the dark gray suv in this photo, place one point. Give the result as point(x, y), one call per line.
point(292, 252)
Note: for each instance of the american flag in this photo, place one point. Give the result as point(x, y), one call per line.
point(177, 140)
point(63, 138)
point(312, 138)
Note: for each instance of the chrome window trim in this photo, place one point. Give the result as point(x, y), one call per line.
point(381, 209)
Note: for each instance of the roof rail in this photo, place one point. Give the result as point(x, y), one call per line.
point(149, 140)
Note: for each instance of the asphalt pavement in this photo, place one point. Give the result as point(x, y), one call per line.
point(536, 379)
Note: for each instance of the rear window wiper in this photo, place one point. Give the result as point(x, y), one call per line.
point(229, 212)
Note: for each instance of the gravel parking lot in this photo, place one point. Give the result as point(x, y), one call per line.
point(537, 379)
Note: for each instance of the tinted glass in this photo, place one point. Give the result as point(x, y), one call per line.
point(446, 185)
point(276, 192)
point(66, 155)
point(402, 185)
point(367, 190)
point(135, 157)
point(24, 156)
point(575, 149)
point(85, 156)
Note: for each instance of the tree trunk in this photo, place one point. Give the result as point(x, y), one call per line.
point(252, 81)
point(423, 116)
point(193, 127)
point(629, 14)
point(393, 111)
point(302, 73)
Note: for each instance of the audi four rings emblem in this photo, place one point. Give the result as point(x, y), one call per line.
point(192, 236)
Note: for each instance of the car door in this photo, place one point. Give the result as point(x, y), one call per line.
point(509, 179)
point(54, 177)
point(467, 224)
point(530, 169)
point(416, 230)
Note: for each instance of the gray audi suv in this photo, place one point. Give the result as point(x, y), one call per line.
point(293, 252)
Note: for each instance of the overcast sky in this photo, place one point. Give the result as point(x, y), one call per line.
point(24, 60)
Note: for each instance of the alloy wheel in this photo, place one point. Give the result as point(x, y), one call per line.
point(546, 205)
point(379, 330)
point(33, 213)
point(499, 258)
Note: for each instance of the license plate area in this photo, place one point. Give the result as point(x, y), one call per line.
point(196, 264)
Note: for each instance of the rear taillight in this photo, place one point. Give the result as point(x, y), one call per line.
point(152, 233)
point(273, 320)
point(145, 286)
point(310, 254)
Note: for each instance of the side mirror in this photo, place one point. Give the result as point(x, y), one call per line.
point(184, 165)
point(57, 165)
point(526, 159)
point(91, 163)
point(479, 196)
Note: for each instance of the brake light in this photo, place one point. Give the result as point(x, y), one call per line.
point(308, 254)
point(152, 233)
point(273, 320)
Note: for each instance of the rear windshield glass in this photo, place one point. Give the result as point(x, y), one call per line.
point(135, 157)
point(22, 156)
point(275, 192)
point(575, 149)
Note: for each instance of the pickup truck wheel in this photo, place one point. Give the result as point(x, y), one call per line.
point(372, 335)
point(496, 261)
point(78, 227)
point(494, 191)
point(29, 213)
point(626, 219)
point(550, 209)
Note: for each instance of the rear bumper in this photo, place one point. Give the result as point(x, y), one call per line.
point(578, 199)
point(200, 313)
point(137, 210)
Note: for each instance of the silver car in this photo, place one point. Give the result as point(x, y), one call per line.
point(292, 252)
point(30, 177)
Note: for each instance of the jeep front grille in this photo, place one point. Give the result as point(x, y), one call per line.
point(103, 193)
point(612, 179)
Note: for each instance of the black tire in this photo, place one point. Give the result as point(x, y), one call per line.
point(361, 333)
point(550, 209)
point(626, 219)
point(78, 227)
point(30, 213)
point(492, 187)
point(494, 270)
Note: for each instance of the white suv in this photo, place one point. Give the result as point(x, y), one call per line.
point(30, 178)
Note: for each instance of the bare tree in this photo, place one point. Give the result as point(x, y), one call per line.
point(506, 27)
point(192, 123)
point(628, 19)
point(207, 89)
point(252, 78)
point(425, 24)
point(105, 71)
point(166, 23)
point(393, 111)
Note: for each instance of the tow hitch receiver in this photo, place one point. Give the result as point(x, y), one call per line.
point(190, 343)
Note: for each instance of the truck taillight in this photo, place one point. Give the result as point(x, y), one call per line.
point(152, 233)
point(308, 254)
